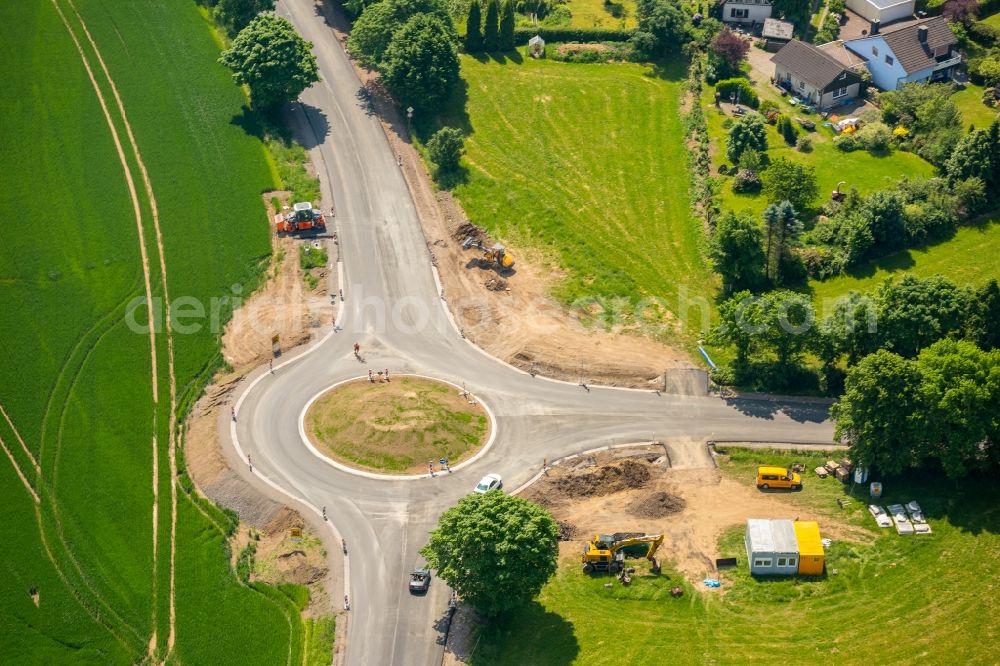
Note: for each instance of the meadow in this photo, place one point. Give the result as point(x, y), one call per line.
point(883, 598)
point(966, 259)
point(585, 163)
point(76, 380)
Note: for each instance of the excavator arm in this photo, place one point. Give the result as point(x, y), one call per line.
point(654, 542)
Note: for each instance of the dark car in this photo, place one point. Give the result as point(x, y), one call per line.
point(420, 580)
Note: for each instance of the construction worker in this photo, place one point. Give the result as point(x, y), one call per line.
point(357, 349)
point(387, 374)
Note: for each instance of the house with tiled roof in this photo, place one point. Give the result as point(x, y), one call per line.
point(812, 75)
point(908, 52)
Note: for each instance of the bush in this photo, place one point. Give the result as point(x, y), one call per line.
point(984, 34)
point(786, 128)
point(747, 94)
point(746, 181)
point(766, 106)
point(846, 143)
point(875, 137)
point(446, 147)
point(804, 144)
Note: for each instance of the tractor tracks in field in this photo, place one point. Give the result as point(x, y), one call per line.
point(157, 233)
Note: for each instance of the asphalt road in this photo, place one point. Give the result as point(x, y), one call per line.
point(393, 309)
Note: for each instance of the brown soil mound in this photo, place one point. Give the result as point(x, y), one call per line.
point(606, 480)
point(567, 530)
point(656, 505)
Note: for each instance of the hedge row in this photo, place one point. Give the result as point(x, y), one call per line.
point(522, 35)
point(748, 95)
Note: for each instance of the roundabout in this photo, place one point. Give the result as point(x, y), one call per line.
point(396, 426)
point(393, 308)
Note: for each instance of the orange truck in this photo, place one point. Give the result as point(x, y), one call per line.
point(303, 218)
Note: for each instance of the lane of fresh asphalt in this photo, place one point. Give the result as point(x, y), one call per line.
point(393, 309)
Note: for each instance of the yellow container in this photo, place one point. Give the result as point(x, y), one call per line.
point(811, 555)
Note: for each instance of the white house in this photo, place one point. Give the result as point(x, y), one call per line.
point(813, 75)
point(772, 547)
point(885, 11)
point(747, 14)
point(920, 50)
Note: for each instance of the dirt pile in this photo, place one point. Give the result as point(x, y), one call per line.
point(567, 530)
point(626, 475)
point(497, 284)
point(467, 230)
point(656, 505)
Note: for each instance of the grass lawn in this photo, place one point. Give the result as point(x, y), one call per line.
point(586, 163)
point(970, 102)
point(598, 14)
point(396, 426)
point(967, 259)
point(993, 20)
point(76, 380)
point(859, 169)
point(892, 600)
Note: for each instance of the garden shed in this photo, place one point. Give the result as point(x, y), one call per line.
point(771, 547)
point(536, 46)
point(811, 555)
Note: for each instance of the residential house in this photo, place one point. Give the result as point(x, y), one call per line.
point(813, 75)
point(746, 14)
point(919, 50)
point(884, 11)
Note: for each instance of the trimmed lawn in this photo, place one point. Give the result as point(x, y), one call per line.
point(597, 14)
point(968, 258)
point(587, 164)
point(970, 102)
point(993, 20)
point(884, 598)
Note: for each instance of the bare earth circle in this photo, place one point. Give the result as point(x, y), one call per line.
point(396, 426)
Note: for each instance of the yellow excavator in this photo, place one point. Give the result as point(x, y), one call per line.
point(607, 552)
point(493, 257)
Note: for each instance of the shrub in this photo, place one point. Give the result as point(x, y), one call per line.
point(727, 123)
point(786, 128)
point(446, 147)
point(522, 35)
point(984, 33)
point(747, 94)
point(804, 144)
point(766, 106)
point(846, 142)
point(746, 181)
point(875, 137)
point(752, 160)
point(747, 133)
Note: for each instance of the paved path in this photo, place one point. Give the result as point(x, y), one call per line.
point(393, 310)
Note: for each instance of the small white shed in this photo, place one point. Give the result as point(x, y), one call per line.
point(772, 548)
point(536, 46)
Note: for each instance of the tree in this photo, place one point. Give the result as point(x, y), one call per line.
point(989, 70)
point(737, 253)
point(507, 26)
point(961, 385)
point(884, 212)
point(788, 181)
point(270, 57)
point(914, 312)
point(742, 317)
point(491, 29)
point(643, 45)
point(495, 550)
point(779, 321)
point(666, 21)
point(373, 31)
point(961, 11)
point(474, 29)
point(420, 67)
point(782, 228)
point(446, 148)
point(792, 9)
point(747, 133)
point(851, 326)
point(730, 49)
point(237, 14)
point(878, 416)
point(973, 158)
point(984, 316)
